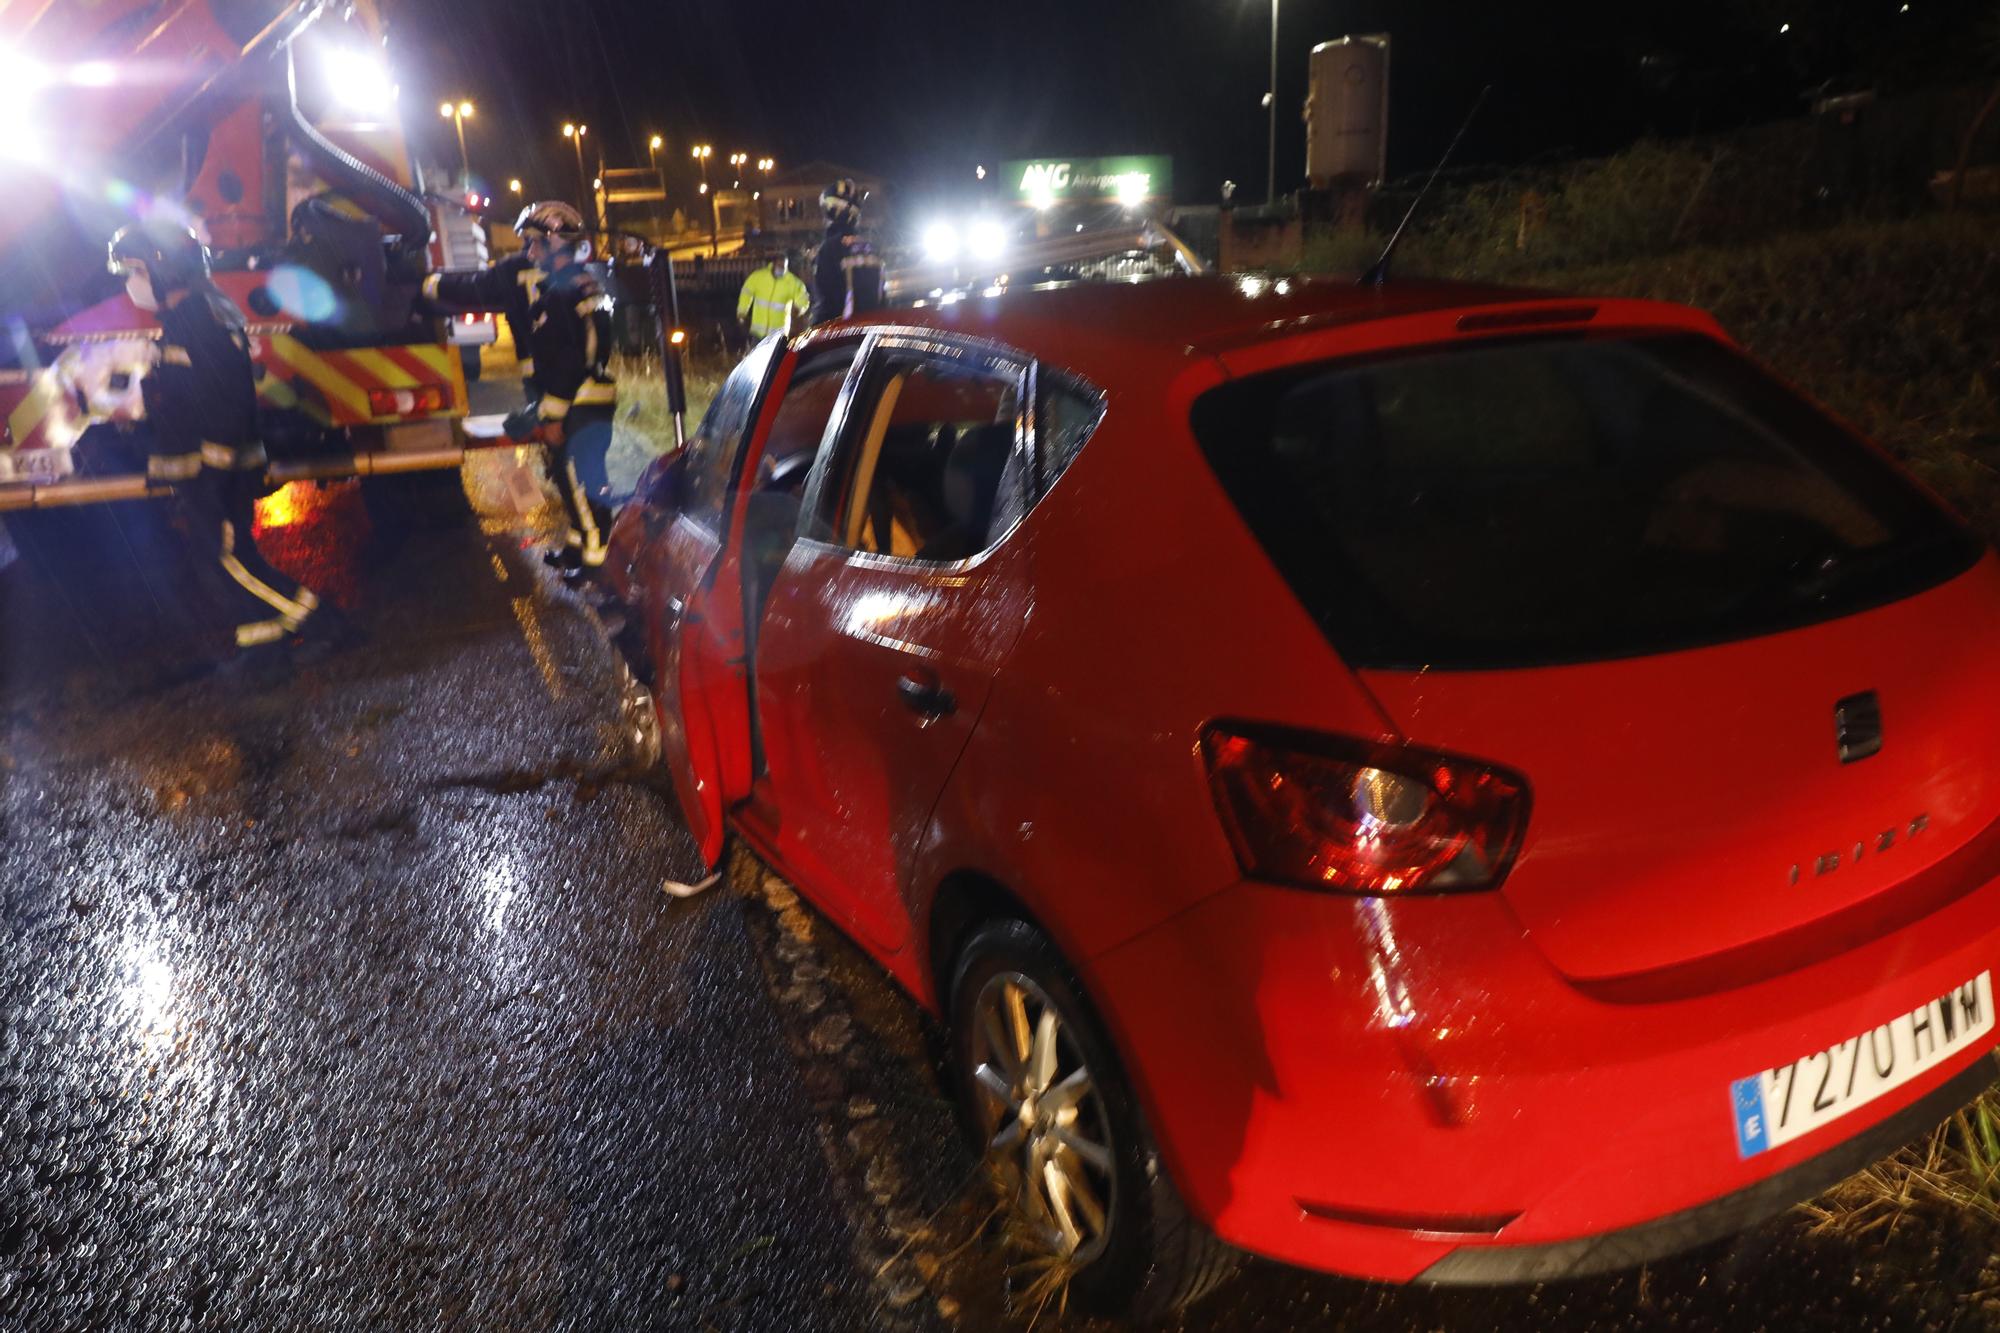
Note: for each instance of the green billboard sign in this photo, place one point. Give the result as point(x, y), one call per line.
point(1041, 182)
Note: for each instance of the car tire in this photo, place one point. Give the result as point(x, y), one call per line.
point(1108, 1212)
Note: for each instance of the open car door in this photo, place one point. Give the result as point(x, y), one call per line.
point(692, 617)
point(738, 491)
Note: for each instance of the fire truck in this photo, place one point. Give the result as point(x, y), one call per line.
point(270, 127)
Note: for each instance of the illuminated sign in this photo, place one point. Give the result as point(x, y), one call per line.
point(1043, 182)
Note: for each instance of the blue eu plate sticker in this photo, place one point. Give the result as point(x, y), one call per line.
point(1746, 1095)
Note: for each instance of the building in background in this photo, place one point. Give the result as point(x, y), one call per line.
point(788, 207)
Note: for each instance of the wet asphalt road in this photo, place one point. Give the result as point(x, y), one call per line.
point(347, 998)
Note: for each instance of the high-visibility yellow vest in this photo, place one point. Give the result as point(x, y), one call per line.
point(769, 300)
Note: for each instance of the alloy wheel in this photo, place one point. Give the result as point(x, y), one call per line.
point(1043, 1119)
point(638, 720)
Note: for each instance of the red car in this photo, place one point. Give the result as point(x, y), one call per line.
point(1434, 783)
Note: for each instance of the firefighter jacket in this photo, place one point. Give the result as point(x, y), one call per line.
point(509, 287)
point(768, 301)
point(568, 322)
point(847, 275)
point(201, 392)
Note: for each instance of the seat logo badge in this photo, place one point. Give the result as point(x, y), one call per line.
point(1857, 726)
point(1829, 862)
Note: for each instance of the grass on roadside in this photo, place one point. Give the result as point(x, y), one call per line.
point(645, 426)
point(1956, 1172)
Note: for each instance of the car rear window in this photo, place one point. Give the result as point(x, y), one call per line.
point(1538, 501)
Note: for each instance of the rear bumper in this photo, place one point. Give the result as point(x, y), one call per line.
point(1497, 1264)
point(1409, 1091)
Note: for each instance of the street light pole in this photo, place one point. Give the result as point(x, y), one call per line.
point(457, 113)
point(703, 152)
point(574, 133)
point(1271, 101)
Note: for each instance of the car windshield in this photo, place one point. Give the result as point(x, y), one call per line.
point(1564, 499)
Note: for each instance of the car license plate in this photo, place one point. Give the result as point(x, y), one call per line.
point(1783, 1103)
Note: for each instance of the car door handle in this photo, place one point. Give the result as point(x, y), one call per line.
point(927, 698)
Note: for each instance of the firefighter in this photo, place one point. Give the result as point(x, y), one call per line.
point(770, 297)
point(200, 395)
point(847, 274)
point(569, 339)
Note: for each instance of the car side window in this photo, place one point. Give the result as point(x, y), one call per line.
point(717, 443)
point(802, 415)
point(929, 467)
point(1068, 411)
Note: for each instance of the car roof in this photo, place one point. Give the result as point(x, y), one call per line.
point(1086, 324)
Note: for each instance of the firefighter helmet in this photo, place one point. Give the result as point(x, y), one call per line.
point(173, 256)
point(554, 219)
point(841, 201)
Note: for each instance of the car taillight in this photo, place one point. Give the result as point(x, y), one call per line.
point(1355, 817)
point(424, 398)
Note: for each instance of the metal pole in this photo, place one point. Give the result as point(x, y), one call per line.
point(464, 166)
point(673, 339)
point(1271, 181)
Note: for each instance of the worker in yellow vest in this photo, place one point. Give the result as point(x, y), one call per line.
point(770, 297)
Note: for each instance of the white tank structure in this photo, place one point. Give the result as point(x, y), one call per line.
point(1347, 112)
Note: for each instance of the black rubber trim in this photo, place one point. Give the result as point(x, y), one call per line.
point(1494, 1265)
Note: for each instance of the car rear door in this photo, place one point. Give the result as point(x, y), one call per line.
point(891, 616)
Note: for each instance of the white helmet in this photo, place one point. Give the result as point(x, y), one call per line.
point(554, 220)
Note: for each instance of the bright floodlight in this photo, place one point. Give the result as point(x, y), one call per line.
point(94, 74)
point(1042, 199)
point(19, 78)
point(940, 243)
point(987, 240)
point(1132, 189)
point(465, 110)
point(360, 79)
point(444, 109)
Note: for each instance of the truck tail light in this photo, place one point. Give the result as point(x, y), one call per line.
point(423, 400)
point(1350, 816)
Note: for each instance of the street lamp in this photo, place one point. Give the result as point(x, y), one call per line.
point(703, 152)
point(514, 185)
point(574, 133)
point(458, 113)
point(737, 160)
point(767, 164)
point(653, 147)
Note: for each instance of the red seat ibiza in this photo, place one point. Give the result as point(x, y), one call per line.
point(1431, 783)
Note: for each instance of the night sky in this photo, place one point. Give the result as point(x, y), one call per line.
point(922, 91)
